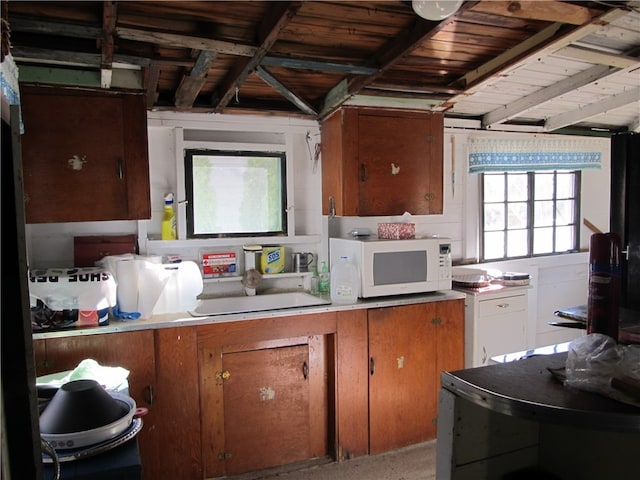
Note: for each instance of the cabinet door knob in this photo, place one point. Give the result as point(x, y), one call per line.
point(430, 196)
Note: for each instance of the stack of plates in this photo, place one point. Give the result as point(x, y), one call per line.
point(512, 279)
point(472, 281)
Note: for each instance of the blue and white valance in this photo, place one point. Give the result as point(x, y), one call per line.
point(533, 153)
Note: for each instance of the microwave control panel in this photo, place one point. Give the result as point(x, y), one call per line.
point(445, 261)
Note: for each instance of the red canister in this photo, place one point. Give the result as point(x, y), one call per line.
point(605, 271)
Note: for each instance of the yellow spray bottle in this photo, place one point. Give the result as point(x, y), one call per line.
point(169, 231)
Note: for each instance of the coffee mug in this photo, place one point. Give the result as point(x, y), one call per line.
point(302, 261)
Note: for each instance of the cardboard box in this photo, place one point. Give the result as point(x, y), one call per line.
point(396, 231)
point(218, 264)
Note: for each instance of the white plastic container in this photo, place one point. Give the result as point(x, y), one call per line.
point(344, 281)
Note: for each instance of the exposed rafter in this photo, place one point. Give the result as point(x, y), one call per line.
point(192, 83)
point(109, 20)
point(285, 91)
point(278, 18)
point(387, 57)
point(611, 103)
point(476, 81)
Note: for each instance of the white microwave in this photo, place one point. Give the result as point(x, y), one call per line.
point(394, 267)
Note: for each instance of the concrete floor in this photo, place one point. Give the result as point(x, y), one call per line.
point(417, 462)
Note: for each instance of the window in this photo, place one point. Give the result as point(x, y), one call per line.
point(235, 194)
point(525, 214)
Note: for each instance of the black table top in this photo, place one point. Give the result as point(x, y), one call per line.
point(525, 388)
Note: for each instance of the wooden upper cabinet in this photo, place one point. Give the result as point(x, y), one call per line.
point(382, 162)
point(84, 155)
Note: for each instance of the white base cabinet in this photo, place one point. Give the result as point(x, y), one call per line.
point(495, 324)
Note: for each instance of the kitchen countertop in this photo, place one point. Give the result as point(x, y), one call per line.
point(171, 320)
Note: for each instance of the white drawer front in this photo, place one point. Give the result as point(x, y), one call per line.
point(502, 306)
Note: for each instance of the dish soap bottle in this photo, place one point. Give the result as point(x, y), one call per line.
point(323, 283)
point(344, 281)
point(169, 231)
point(315, 282)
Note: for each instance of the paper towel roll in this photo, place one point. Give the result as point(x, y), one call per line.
point(127, 275)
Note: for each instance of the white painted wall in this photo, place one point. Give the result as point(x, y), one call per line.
point(51, 245)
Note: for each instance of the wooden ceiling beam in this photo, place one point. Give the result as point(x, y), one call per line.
point(109, 19)
point(191, 84)
point(583, 113)
point(529, 52)
point(547, 94)
point(277, 19)
point(186, 41)
point(153, 77)
point(285, 91)
point(548, 11)
point(387, 57)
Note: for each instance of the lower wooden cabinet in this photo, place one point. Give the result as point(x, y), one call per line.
point(232, 397)
point(265, 400)
point(131, 350)
point(408, 348)
point(389, 362)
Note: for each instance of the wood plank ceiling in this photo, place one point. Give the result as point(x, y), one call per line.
point(534, 65)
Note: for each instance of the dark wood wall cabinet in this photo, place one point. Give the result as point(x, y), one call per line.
point(382, 162)
point(230, 398)
point(84, 155)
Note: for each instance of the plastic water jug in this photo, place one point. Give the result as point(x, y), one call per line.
point(344, 282)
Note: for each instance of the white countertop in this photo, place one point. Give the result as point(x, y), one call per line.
point(183, 319)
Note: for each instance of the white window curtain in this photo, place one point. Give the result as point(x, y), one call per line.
point(533, 153)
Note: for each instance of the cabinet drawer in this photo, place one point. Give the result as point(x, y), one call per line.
point(502, 306)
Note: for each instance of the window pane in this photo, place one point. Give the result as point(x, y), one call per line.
point(564, 212)
point(494, 245)
point(517, 215)
point(517, 188)
point(564, 238)
point(517, 243)
point(235, 193)
point(494, 187)
point(542, 240)
point(544, 186)
point(565, 184)
point(494, 216)
point(543, 214)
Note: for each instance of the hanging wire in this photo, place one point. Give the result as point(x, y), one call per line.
point(315, 156)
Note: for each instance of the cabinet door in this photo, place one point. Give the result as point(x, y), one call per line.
point(131, 350)
point(377, 162)
point(266, 408)
point(402, 376)
point(501, 327)
point(400, 160)
point(84, 156)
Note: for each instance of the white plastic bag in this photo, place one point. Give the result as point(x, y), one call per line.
point(596, 363)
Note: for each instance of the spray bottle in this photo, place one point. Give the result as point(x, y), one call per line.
point(169, 231)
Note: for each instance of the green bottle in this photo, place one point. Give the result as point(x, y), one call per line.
point(323, 284)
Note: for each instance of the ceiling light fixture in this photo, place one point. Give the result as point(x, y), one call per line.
point(434, 9)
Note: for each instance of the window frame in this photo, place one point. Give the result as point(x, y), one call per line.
point(188, 154)
point(530, 201)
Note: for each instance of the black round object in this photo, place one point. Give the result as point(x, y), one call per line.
point(80, 405)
